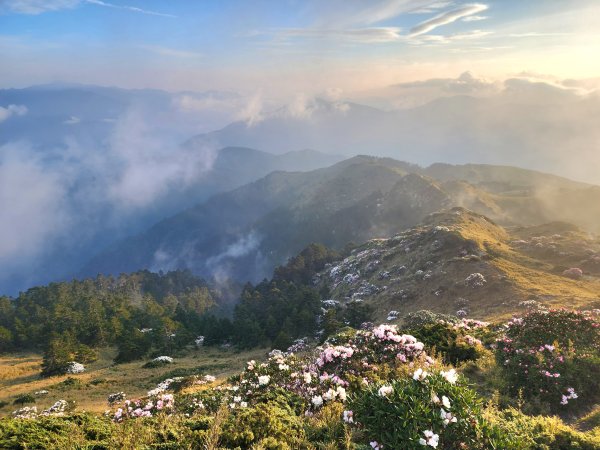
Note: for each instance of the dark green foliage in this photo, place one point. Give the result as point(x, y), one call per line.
point(276, 310)
point(132, 345)
point(449, 342)
point(301, 268)
point(90, 431)
point(356, 313)
point(24, 399)
point(67, 320)
point(552, 359)
point(400, 419)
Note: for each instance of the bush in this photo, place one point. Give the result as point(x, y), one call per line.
point(159, 361)
point(552, 358)
point(425, 410)
point(270, 425)
point(453, 344)
point(546, 433)
point(424, 317)
point(24, 399)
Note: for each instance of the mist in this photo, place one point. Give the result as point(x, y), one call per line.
point(109, 170)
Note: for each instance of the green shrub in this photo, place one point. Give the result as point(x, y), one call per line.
point(552, 359)
point(23, 399)
point(543, 433)
point(272, 426)
point(453, 344)
point(411, 414)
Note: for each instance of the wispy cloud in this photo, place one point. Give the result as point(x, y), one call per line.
point(431, 8)
point(173, 52)
point(347, 13)
point(447, 18)
point(41, 6)
point(474, 18)
point(128, 8)
point(36, 6)
point(361, 35)
point(446, 39)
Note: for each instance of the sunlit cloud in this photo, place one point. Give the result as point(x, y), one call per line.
point(360, 35)
point(447, 18)
point(474, 18)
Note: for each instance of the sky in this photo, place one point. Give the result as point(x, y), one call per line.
point(288, 46)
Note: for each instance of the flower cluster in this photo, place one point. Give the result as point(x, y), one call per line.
point(551, 354)
point(116, 397)
point(145, 407)
point(75, 367)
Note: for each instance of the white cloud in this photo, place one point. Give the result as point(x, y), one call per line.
point(360, 35)
point(31, 210)
point(474, 18)
point(252, 113)
point(466, 83)
point(12, 110)
point(128, 8)
point(36, 6)
point(41, 6)
point(348, 13)
point(447, 18)
point(446, 39)
point(431, 8)
point(73, 120)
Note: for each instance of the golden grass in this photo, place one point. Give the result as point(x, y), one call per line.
point(20, 375)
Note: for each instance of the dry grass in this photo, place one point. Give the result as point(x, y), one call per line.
point(19, 374)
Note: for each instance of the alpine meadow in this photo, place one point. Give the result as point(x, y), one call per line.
point(299, 225)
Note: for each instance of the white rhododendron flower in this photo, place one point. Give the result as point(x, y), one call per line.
point(384, 391)
point(431, 439)
point(451, 376)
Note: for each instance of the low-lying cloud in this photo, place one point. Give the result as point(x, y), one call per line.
point(12, 110)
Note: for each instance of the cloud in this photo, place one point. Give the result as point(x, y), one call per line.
point(359, 35)
point(474, 18)
point(447, 39)
point(466, 83)
point(73, 120)
point(150, 161)
point(128, 8)
point(31, 200)
point(431, 8)
point(252, 113)
point(447, 18)
point(35, 7)
point(12, 110)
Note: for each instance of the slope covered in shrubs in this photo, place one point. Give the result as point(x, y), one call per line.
point(373, 388)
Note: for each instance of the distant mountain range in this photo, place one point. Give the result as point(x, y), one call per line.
point(525, 125)
point(245, 233)
point(97, 164)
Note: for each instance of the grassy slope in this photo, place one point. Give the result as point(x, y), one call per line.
point(471, 243)
point(19, 374)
